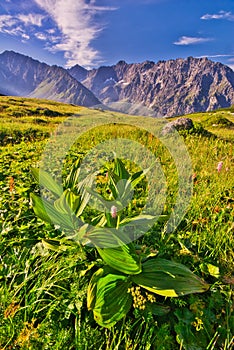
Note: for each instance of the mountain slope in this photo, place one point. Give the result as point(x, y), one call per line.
point(173, 87)
point(23, 76)
point(166, 88)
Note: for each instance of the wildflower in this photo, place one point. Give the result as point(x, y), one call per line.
point(113, 212)
point(28, 333)
point(11, 184)
point(198, 324)
point(11, 310)
point(219, 166)
point(139, 300)
point(151, 298)
point(194, 176)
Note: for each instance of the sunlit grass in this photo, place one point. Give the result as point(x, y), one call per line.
point(43, 293)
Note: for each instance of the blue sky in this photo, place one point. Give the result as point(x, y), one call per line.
point(93, 33)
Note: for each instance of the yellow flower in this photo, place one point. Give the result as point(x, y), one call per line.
point(198, 324)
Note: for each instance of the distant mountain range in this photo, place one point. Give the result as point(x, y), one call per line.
point(165, 88)
point(23, 76)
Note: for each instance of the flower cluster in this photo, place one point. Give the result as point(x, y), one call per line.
point(113, 212)
point(140, 300)
point(198, 324)
point(151, 298)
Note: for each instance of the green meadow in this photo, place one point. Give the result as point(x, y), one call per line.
point(44, 276)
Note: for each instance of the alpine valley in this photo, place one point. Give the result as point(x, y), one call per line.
point(165, 88)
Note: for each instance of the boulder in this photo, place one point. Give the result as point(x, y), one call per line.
point(178, 124)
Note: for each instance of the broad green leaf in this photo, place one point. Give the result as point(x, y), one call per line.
point(85, 195)
point(108, 297)
point(121, 190)
point(105, 238)
point(168, 278)
point(136, 178)
point(140, 220)
point(120, 170)
point(55, 245)
point(73, 200)
point(84, 201)
point(92, 288)
point(210, 269)
point(113, 180)
point(68, 203)
point(124, 187)
point(213, 270)
point(72, 179)
point(156, 309)
point(99, 220)
point(46, 211)
point(120, 259)
point(125, 191)
point(47, 181)
point(114, 252)
point(39, 209)
point(96, 195)
point(79, 233)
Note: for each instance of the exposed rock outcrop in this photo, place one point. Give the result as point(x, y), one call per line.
point(168, 88)
point(178, 124)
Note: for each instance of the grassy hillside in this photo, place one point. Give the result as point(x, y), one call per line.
point(29, 119)
point(220, 122)
point(44, 276)
point(22, 118)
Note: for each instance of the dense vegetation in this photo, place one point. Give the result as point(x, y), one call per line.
point(44, 276)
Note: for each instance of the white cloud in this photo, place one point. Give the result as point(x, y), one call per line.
point(41, 36)
point(217, 56)
point(34, 19)
point(231, 66)
point(228, 61)
point(7, 21)
point(78, 24)
point(221, 15)
point(9, 25)
point(16, 25)
point(25, 36)
point(51, 31)
point(189, 40)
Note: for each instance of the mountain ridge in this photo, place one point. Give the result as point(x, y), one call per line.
point(166, 88)
point(22, 75)
point(172, 87)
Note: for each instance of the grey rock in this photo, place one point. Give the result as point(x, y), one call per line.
point(178, 124)
point(167, 88)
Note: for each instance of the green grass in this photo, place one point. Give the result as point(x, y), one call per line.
point(219, 123)
point(24, 119)
point(43, 292)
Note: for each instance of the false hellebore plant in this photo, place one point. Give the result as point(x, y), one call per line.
point(116, 286)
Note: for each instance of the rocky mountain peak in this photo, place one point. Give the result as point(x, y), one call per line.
point(172, 87)
point(165, 88)
point(21, 75)
point(78, 72)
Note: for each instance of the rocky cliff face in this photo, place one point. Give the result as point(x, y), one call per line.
point(173, 87)
point(165, 88)
point(23, 76)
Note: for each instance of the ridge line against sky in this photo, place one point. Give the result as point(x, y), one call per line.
point(92, 33)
